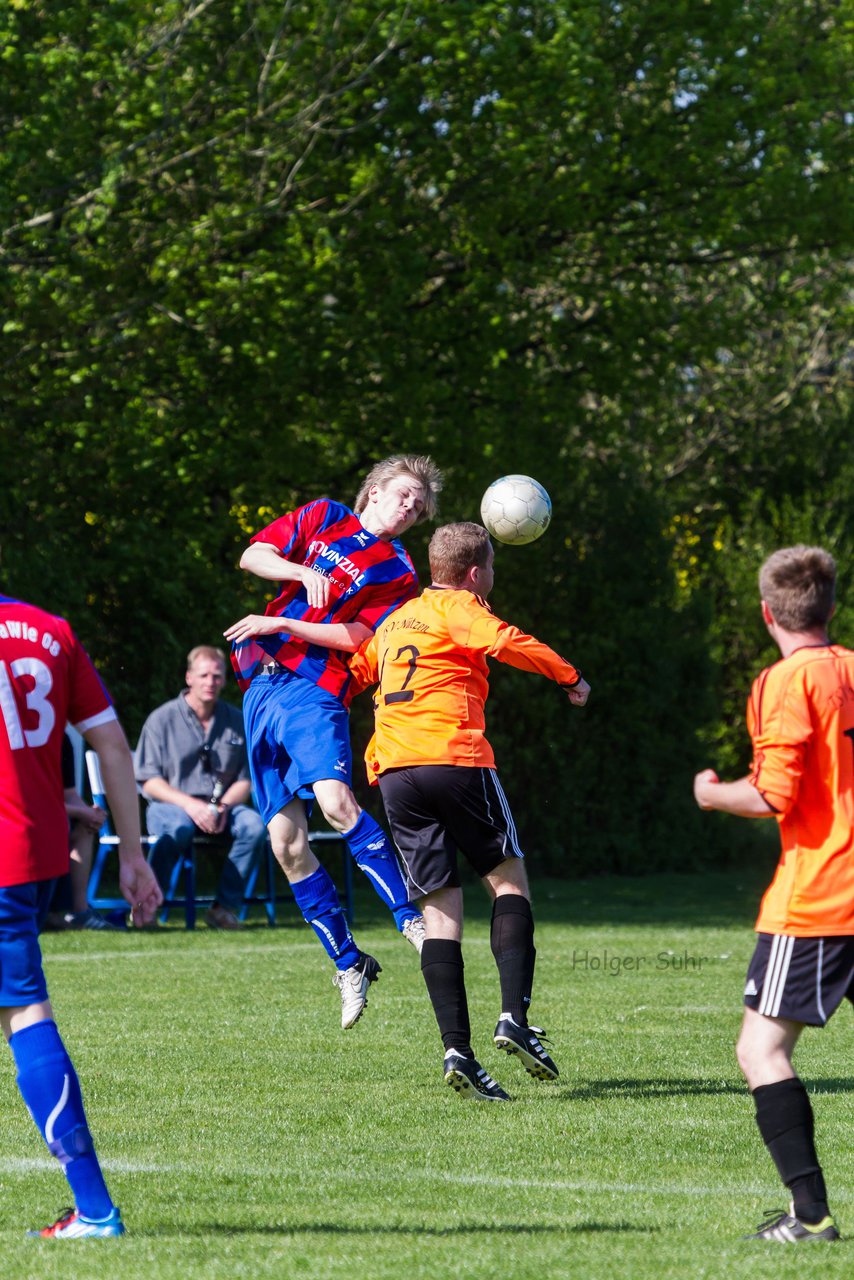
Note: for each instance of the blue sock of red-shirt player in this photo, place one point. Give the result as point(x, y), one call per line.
point(372, 852)
point(50, 1088)
point(317, 899)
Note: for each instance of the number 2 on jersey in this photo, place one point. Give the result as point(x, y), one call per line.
point(403, 694)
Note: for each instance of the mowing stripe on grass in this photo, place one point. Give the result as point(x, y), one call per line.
point(23, 1165)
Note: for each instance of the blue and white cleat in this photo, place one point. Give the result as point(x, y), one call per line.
point(70, 1225)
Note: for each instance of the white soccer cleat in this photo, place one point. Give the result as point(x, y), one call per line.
point(353, 984)
point(413, 931)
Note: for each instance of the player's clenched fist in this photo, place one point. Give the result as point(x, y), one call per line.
point(579, 693)
point(703, 783)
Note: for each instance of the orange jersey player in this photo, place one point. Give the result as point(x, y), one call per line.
point(429, 659)
point(801, 721)
point(436, 772)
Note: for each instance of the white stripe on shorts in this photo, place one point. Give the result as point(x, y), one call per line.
point(509, 824)
point(819, 968)
point(775, 975)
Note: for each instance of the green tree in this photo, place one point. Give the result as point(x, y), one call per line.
point(248, 248)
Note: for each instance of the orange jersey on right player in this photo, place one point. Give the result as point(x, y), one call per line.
point(801, 720)
point(429, 659)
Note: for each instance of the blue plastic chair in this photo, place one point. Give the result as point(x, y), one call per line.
point(184, 869)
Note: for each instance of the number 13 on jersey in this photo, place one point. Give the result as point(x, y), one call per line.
point(37, 700)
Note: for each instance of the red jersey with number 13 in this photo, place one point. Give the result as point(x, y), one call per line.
point(46, 679)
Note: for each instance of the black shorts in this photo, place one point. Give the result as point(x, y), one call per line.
point(437, 809)
point(801, 979)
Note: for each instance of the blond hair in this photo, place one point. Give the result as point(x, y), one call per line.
point(798, 584)
point(422, 469)
point(206, 651)
point(456, 548)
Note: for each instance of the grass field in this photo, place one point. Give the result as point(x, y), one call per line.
point(244, 1134)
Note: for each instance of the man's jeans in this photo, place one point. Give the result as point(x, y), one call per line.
point(248, 836)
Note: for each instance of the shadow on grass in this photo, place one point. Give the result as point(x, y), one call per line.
point(830, 1084)
point(707, 900)
point(417, 1232)
point(596, 1090)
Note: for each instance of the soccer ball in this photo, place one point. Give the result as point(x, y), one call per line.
point(516, 509)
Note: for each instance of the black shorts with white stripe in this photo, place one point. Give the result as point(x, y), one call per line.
point(800, 979)
point(435, 810)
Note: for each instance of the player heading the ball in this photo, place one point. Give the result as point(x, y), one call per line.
point(342, 571)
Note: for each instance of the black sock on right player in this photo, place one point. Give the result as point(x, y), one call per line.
point(512, 939)
point(785, 1118)
point(443, 969)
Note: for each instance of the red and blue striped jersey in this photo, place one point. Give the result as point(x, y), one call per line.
point(370, 578)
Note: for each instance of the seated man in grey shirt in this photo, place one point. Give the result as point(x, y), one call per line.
point(191, 766)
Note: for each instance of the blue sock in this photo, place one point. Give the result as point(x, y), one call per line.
point(49, 1086)
point(317, 899)
point(373, 854)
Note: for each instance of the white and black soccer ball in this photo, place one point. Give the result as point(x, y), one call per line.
point(516, 509)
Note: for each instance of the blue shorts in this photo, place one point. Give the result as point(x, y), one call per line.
point(22, 909)
point(297, 735)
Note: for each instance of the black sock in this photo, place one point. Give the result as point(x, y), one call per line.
point(785, 1119)
point(512, 939)
point(442, 967)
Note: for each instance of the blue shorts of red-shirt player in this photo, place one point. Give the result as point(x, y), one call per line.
point(297, 734)
point(22, 910)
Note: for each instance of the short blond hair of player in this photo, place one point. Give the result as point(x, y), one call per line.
point(419, 467)
point(800, 716)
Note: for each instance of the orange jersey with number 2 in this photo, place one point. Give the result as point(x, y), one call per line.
point(429, 660)
point(801, 719)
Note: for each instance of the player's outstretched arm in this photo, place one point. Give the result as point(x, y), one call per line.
point(739, 798)
point(479, 628)
point(136, 879)
point(346, 636)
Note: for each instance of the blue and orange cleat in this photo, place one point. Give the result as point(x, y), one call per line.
point(70, 1225)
